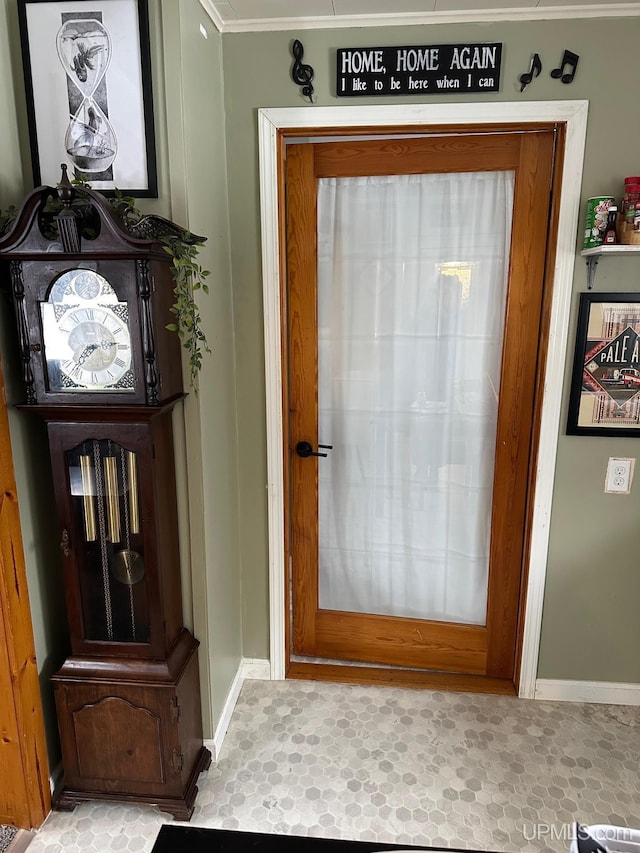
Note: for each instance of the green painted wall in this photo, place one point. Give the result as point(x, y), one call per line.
point(591, 629)
point(195, 107)
point(190, 141)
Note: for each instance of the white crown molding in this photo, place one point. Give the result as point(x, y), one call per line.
point(213, 13)
point(601, 692)
point(399, 19)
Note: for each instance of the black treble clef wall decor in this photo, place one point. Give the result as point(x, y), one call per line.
point(301, 74)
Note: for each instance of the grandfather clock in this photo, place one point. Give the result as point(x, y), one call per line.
point(92, 297)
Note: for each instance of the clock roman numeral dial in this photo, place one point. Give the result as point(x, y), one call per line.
point(86, 334)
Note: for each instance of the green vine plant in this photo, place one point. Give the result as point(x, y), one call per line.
point(188, 275)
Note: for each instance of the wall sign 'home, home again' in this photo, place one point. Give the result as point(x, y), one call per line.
point(418, 70)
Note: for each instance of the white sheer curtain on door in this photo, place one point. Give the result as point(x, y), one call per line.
point(412, 281)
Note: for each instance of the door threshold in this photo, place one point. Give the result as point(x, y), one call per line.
point(389, 677)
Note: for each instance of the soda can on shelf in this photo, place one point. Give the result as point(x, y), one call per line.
point(596, 219)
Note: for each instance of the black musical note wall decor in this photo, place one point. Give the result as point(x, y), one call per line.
point(301, 74)
point(534, 70)
point(570, 62)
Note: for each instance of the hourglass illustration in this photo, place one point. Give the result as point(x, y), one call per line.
point(84, 48)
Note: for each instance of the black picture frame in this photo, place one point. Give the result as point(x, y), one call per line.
point(87, 69)
point(605, 381)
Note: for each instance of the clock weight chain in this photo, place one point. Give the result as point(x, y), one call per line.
point(127, 565)
point(104, 557)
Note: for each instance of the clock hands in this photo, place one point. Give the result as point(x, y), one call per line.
point(91, 348)
point(86, 352)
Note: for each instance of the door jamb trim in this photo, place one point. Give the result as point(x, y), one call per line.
point(270, 122)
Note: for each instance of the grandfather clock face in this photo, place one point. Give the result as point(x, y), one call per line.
point(87, 336)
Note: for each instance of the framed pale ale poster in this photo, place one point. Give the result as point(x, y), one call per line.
point(605, 383)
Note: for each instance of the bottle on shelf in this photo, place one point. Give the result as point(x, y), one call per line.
point(630, 199)
point(626, 215)
point(610, 233)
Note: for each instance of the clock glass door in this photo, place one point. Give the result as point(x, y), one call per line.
point(86, 334)
point(107, 539)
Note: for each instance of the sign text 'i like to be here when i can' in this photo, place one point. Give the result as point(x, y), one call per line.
point(423, 70)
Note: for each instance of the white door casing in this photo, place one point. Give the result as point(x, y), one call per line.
point(270, 121)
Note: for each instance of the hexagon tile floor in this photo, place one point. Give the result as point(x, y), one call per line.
point(390, 765)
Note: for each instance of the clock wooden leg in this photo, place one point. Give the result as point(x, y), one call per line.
point(66, 802)
point(183, 809)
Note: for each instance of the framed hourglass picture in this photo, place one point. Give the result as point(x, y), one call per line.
point(89, 95)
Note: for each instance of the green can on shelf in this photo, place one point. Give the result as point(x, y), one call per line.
point(596, 219)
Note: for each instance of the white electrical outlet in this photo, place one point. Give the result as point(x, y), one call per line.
point(619, 475)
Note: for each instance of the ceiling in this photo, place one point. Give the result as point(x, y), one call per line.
point(255, 15)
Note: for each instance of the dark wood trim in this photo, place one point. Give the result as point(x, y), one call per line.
point(517, 387)
point(402, 642)
point(304, 132)
point(469, 152)
point(389, 677)
point(99, 414)
point(303, 413)
point(132, 670)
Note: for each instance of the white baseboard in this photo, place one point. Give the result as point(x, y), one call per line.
point(601, 692)
point(227, 711)
point(251, 668)
point(210, 744)
point(256, 668)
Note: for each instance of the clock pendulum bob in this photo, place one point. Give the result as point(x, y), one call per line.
point(104, 373)
point(128, 698)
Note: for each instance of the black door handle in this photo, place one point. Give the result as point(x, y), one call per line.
point(304, 449)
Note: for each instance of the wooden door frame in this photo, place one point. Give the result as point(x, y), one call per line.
point(23, 749)
point(274, 125)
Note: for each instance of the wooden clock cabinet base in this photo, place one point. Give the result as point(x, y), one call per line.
point(131, 730)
